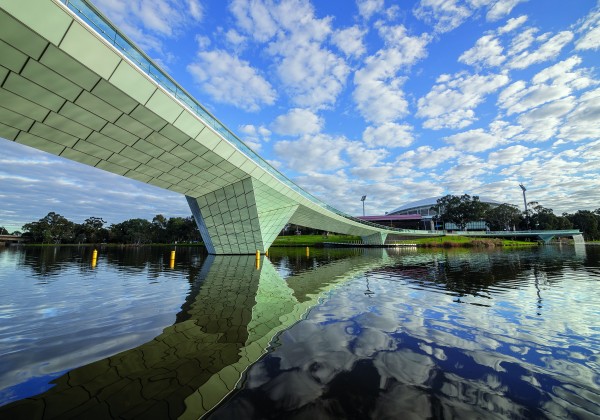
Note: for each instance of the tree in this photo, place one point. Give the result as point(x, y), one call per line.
point(53, 228)
point(159, 229)
point(542, 218)
point(503, 217)
point(587, 222)
point(3, 231)
point(93, 230)
point(461, 210)
point(132, 231)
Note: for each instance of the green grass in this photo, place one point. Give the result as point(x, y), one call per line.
point(463, 241)
point(312, 240)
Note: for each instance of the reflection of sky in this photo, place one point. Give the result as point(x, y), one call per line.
point(518, 337)
point(57, 314)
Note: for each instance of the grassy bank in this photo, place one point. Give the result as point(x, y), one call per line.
point(465, 242)
point(437, 242)
point(312, 240)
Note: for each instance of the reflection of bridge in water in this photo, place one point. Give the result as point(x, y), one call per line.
point(225, 325)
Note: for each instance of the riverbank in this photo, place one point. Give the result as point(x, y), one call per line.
point(436, 242)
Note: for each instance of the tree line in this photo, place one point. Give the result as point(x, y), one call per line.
point(56, 229)
point(463, 209)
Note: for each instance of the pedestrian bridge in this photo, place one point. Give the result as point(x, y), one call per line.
point(73, 85)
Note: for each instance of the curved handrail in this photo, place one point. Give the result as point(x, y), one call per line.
point(102, 25)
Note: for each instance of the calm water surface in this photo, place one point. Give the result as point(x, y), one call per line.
point(333, 334)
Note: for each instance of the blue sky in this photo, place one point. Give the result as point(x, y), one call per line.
point(398, 100)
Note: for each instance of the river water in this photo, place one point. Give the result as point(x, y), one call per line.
point(319, 333)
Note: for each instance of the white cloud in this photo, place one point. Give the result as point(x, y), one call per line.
point(367, 8)
point(474, 141)
point(501, 8)
point(542, 123)
point(231, 80)
point(512, 24)
point(350, 41)
point(510, 156)
point(312, 153)
point(389, 135)
point(147, 23)
point(363, 157)
point(254, 18)
point(486, 52)
point(466, 175)
point(426, 157)
point(443, 15)
point(446, 15)
point(378, 92)
point(254, 136)
point(234, 38)
point(550, 84)
point(522, 41)
point(590, 30)
point(452, 101)
point(313, 76)
point(584, 122)
point(546, 51)
point(297, 122)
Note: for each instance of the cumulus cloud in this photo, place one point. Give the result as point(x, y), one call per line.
point(501, 8)
point(378, 85)
point(542, 123)
point(389, 135)
point(230, 80)
point(510, 155)
point(452, 101)
point(545, 50)
point(486, 52)
point(584, 122)
point(147, 23)
point(474, 141)
point(449, 14)
point(350, 41)
point(512, 24)
point(367, 8)
point(426, 157)
point(550, 84)
point(312, 153)
point(589, 30)
point(297, 122)
point(311, 74)
point(254, 136)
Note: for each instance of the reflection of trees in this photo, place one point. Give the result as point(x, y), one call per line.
point(51, 260)
point(473, 273)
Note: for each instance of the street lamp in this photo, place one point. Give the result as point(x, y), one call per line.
point(364, 197)
point(525, 203)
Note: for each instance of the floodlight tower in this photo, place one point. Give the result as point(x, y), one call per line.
point(525, 203)
point(364, 197)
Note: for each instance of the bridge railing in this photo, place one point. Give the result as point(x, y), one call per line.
point(95, 19)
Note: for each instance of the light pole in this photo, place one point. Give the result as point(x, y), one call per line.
point(525, 203)
point(364, 197)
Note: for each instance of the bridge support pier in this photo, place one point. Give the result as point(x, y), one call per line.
point(546, 238)
point(375, 239)
point(241, 218)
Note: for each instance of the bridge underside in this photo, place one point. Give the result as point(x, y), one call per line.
point(66, 90)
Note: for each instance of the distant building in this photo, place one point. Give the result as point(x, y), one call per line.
point(420, 215)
